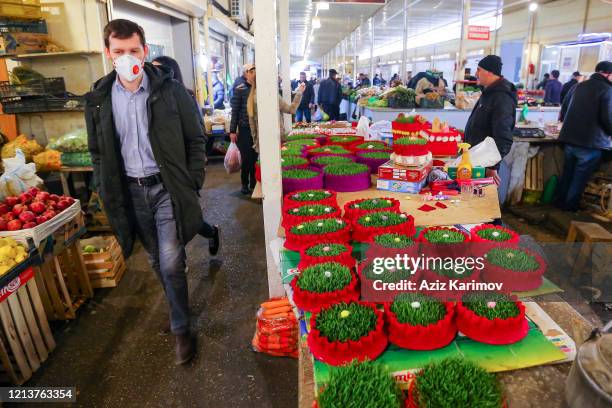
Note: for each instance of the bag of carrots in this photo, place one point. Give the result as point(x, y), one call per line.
point(277, 329)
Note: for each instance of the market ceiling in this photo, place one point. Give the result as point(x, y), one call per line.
point(340, 20)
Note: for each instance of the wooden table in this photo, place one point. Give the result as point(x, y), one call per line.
point(64, 170)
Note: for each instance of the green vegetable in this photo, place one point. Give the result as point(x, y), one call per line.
point(90, 249)
point(455, 382)
point(417, 309)
point(513, 259)
point(375, 155)
point(381, 219)
point(311, 195)
point(372, 204)
point(318, 226)
point(347, 169)
point(394, 240)
point(410, 141)
point(444, 236)
point(494, 234)
point(325, 160)
point(338, 325)
point(360, 385)
point(299, 174)
point(332, 250)
point(299, 136)
point(333, 149)
point(491, 305)
point(311, 209)
point(293, 161)
point(301, 142)
point(324, 277)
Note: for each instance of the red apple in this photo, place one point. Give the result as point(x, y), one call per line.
point(13, 225)
point(42, 196)
point(28, 225)
point(62, 205)
point(25, 198)
point(19, 208)
point(37, 207)
point(49, 214)
point(27, 216)
point(11, 201)
point(41, 219)
point(54, 197)
point(3, 225)
point(33, 191)
point(4, 209)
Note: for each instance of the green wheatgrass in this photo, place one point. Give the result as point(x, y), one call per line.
point(455, 382)
point(299, 136)
point(491, 305)
point(513, 259)
point(332, 250)
point(372, 204)
point(293, 161)
point(444, 236)
point(346, 169)
point(393, 240)
point(410, 141)
point(334, 149)
point(388, 275)
point(338, 326)
point(311, 209)
point(375, 155)
point(299, 174)
point(401, 118)
point(494, 234)
point(310, 195)
point(324, 277)
point(417, 309)
point(456, 272)
point(291, 151)
point(301, 142)
point(374, 144)
point(360, 385)
point(326, 160)
point(344, 139)
point(381, 219)
point(318, 226)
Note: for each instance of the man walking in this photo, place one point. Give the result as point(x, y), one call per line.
point(586, 131)
point(576, 77)
point(552, 90)
point(148, 150)
point(308, 99)
point(330, 95)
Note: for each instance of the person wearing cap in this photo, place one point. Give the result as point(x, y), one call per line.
point(330, 95)
point(307, 102)
point(495, 112)
point(587, 130)
point(241, 79)
point(552, 90)
point(576, 78)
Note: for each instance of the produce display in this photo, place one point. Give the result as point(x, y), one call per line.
point(72, 142)
point(408, 125)
point(410, 151)
point(293, 162)
point(357, 208)
point(311, 232)
point(518, 269)
point(11, 254)
point(322, 285)
point(29, 147)
point(369, 225)
point(49, 160)
point(298, 198)
point(347, 177)
point(373, 159)
point(308, 212)
point(329, 150)
point(301, 179)
point(277, 329)
point(401, 97)
point(444, 241)
point(327, 252)
point(30, 209)
point(322, 161)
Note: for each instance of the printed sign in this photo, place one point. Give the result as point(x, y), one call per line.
point(480, 33)
point(14, 285)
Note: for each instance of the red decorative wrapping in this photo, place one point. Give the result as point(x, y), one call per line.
point(444, 250)
point(481, 246)
point(257, 172)
point(377, 251)
point(410, 150)
point(448, 294)
point(407, 129)
point(365, 234)
point(314, 302)
point(288, 202)
point(515, 281)
point(337, 353)
point(430, 337)
point(295, 242)
point(496, 331)
point(352, 214)
point(289, 219)
point(369, 292)
point(345, 258)
point(438, 146)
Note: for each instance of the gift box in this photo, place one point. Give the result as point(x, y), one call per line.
point(400, 186)
point(392, 171)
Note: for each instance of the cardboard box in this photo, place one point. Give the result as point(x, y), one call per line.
point(400, 186)
point(12, 10)
point(392, 171)
point(23, 43)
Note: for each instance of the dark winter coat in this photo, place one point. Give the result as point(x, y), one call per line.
point(552, 91)
point(218, 94)
point(178, 143)
point(566, 87)
point(330, 92)
point(494, 115)
point(308, 96)
point(240, 116)
point(587, 114)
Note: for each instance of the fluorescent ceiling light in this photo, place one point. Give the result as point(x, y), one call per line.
point(533, 7)
point(322, 5)
point(316, 22)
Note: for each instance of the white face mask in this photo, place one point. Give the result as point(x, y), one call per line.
point(128, 67)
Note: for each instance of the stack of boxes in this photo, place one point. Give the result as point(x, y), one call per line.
point(22, 29)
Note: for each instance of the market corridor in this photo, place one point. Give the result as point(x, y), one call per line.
point(114, 356)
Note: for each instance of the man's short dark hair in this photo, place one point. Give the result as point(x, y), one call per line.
point(576, 74)
point(604, 66)
point(555, 73)
point(302, 73)
point(122, 29)
point(547, 75)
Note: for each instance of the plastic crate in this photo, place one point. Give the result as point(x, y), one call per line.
point(47, 86)
point(19, 104)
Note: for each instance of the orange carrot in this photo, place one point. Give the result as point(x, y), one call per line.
point(271, 304)
point(276, 310)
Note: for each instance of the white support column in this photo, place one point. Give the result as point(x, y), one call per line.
point(196, 52)
point(404, 72)
point(372, 50)
point(285, 59)
point(460, 62)
point(343, 58)
point(209, 87)
point(355, 57)
point(264, 18)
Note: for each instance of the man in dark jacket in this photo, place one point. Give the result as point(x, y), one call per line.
point(218, 91)
point(552, 90)
point(545, 79)
point(330, 95)
point(495, 112)
point(586, 131)
point(307, 103)
point(240, 130)
point(148, 150)
point(576, 77)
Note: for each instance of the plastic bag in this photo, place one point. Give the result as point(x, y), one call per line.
point(276, 334)
point(232, 161)
point(71, 142)
point(29, 148)
point(49, 160)
point(363, 128)
point(76, 159)
point(382, 126)
point(484, 154)
point(18, 176)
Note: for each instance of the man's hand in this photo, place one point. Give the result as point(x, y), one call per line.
point(301, 88)
point(233, 137)
point(493, 173)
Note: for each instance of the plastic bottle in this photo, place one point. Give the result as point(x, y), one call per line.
point(464, 170)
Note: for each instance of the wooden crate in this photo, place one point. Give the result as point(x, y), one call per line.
point(13, 10)
point(64, 283)
point(105, 269)
point(25, 336)
point(534, 173)
point(68, 234)
point(97, 219)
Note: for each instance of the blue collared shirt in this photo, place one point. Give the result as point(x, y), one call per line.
point(132, 126)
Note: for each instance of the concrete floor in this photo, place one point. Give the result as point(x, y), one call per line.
point(114, 356)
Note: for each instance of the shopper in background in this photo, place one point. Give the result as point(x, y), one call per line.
point(586, 131)
point(467, 76)
point(172, 65)
point(218, 90)
point(242, 79)
point(240, 130)
point(432, 81)
point(366, 81)
point(307, 102)
point(408, 77)
point(495, 112)
point(576, 78)
point(330, 95)
point(376, 81)
point(542, 84)
point(148, 149)
point(315, 88)
point(552, 90)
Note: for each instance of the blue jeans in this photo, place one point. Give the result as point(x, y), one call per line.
point(303, 113)
point(579, 165)
point(156, 228)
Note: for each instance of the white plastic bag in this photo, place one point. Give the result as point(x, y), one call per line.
point(232, 161)
point(382, 126)
point(363, 128)
point(484, 154)
point(18, 176)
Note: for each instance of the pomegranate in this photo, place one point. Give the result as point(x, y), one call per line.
point(4, 208)
point(37, 207)
point(41, 219)
point(25, 198)
point(62, 205)
point(19, 208)
point(27, 216)
point(28, 225)
point(42, 196)
point(3, 224)
point(49, 214)
point(13, 225)
point(11, 201)
point(33, 191)
point(54, 197)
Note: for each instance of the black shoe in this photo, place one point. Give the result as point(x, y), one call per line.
point(164, 328)
point(214, 242)
point(245, 190)
point(185, 348)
